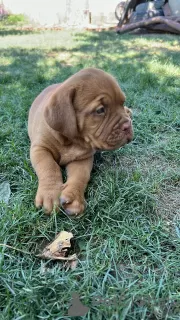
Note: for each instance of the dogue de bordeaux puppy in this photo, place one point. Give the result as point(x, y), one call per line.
point(67, 123)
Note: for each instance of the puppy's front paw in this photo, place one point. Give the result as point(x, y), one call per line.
point(72, 200)
point(48, 197)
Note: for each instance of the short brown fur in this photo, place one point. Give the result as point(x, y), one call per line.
point(67, 123)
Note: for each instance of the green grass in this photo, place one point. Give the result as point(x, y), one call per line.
point(129, 238)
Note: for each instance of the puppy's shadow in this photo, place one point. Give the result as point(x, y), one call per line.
point(98, 161)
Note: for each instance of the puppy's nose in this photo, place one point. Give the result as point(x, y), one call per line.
point(126, 125)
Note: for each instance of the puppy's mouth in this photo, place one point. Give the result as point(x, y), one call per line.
point(113, 144)
point(118, 144)
point(118, 136)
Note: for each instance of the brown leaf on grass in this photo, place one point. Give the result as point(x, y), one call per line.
point(59, 249)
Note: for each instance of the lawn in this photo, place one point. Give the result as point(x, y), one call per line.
point(129, 238)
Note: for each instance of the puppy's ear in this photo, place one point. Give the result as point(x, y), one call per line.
point(59, 112)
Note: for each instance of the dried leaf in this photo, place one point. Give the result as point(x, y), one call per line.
point(59, 249)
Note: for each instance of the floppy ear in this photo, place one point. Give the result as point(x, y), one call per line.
point(59, 112)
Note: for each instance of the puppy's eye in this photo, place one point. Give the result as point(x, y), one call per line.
point(100, 110)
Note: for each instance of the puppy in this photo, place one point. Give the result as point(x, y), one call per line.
point(67, 123)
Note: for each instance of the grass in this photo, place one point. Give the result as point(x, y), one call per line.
point(129, 238)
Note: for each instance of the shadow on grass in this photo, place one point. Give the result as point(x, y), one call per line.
point(29, 70)
point(95, 49)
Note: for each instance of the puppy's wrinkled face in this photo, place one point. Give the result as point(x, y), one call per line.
point(103, 120)
point(89, 107)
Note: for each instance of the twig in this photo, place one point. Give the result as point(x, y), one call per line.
point(7, 246)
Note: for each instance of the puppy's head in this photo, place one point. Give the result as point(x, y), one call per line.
point(90, 106)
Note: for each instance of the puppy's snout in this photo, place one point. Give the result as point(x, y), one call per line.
point(126, 126)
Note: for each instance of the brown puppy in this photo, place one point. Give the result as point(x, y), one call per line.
point(67, 123)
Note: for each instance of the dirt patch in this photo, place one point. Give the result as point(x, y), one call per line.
point(163, 174)
point(169, 202)
point(148, 164)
